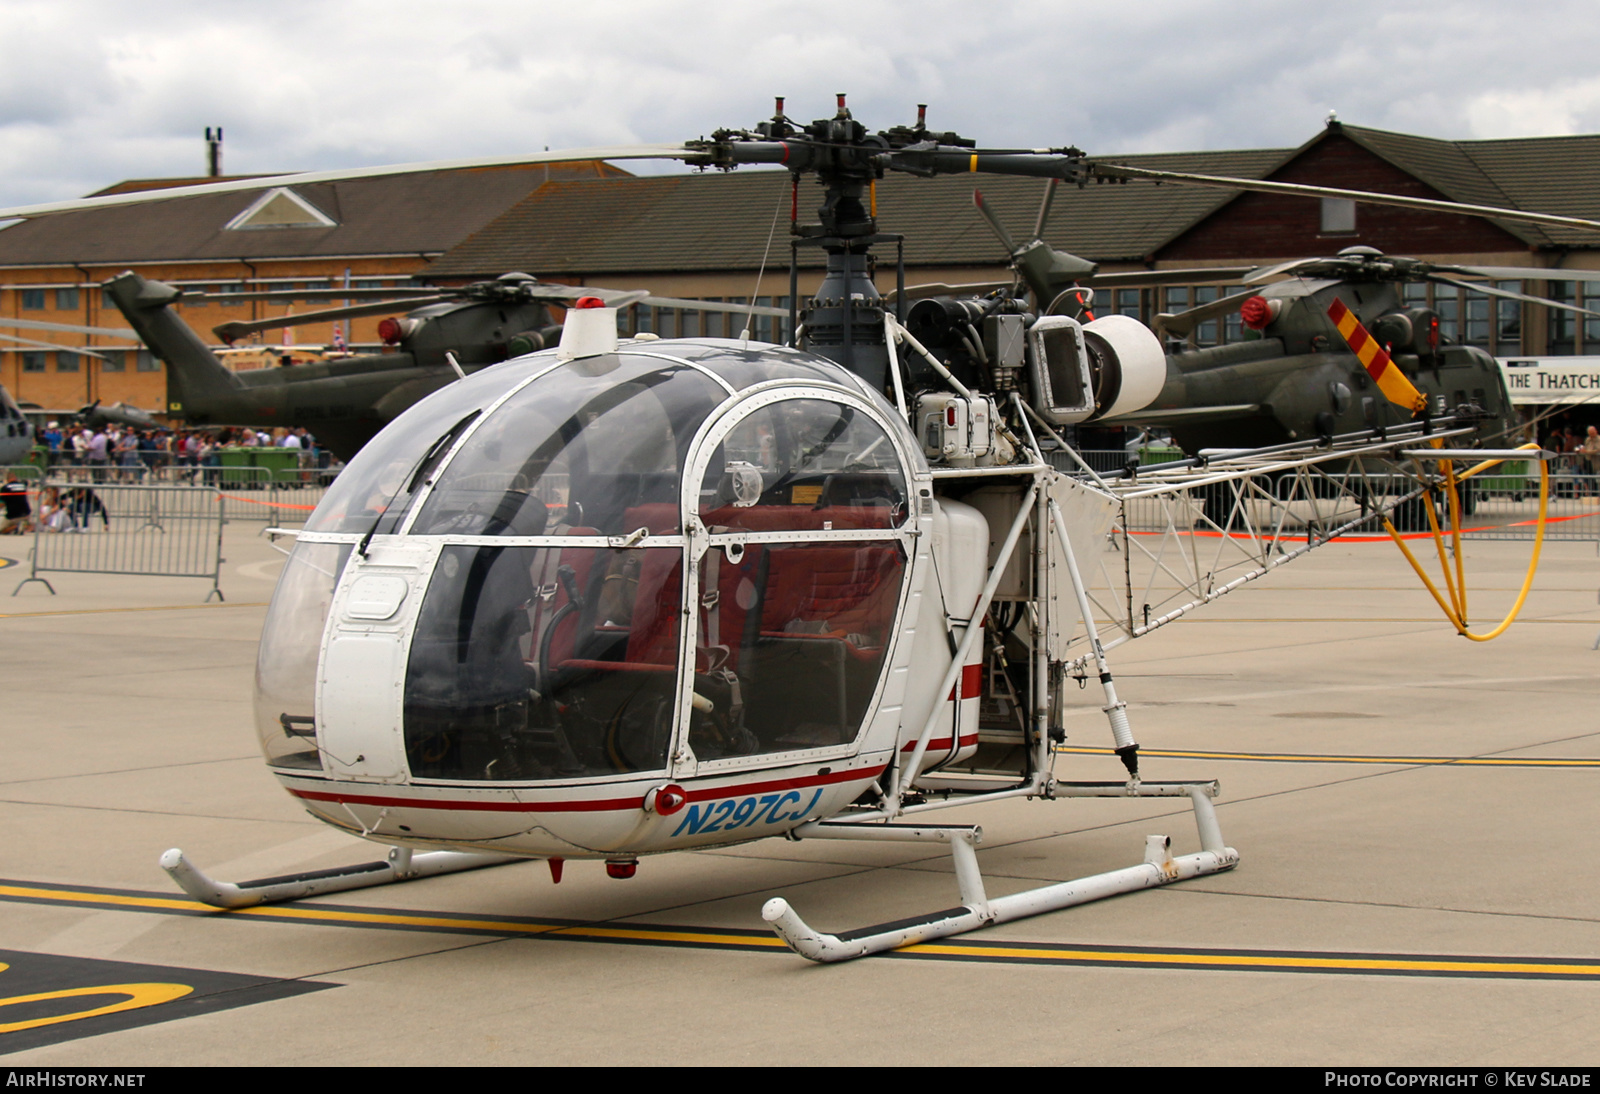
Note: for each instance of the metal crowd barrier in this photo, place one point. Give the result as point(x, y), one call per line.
point(121, 528)
point(260, 493)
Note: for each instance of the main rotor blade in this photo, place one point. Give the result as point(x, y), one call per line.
point(939, 288)
point(1201, 275)
point(1185, 321)
point(1117, 171)
point(1474, 286)
point(1267, 273)
point(49, 345)
point(38, 324)
point(1527, 273)
point(232, 332)
point(400, 293)
point(306, 178)
point(706, 305)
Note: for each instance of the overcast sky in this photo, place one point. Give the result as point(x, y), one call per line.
point(96, 91)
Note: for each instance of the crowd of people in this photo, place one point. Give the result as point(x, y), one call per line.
point(116, 453)
point(113, 454)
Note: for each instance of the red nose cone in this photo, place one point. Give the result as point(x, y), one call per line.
point(589, 302)
point(622, 868)
point(389, 331)
point(1256, 313)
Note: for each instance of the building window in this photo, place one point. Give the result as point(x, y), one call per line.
point(1338, 216)
point(33, 361)
point(66, 300)
point(66, 361)
point(115, 360)
point(148, 362)
point(1206, 333)
point(33, 300)
point(1563, 340)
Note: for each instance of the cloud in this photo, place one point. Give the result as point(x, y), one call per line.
point(94, 91)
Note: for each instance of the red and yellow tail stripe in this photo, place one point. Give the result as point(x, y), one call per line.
point(1391, 381)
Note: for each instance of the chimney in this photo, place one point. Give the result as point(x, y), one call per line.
point(214, 153)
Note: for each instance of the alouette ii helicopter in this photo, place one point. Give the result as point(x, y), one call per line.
point(618, 598)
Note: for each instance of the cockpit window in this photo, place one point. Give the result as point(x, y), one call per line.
point(805, 464)
point(544, 663)
point(576, 453)
point(372, 490)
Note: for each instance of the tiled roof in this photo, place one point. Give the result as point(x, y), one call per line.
point(711, 221)
point(426, 212)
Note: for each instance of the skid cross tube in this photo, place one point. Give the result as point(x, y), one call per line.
point(977, 909)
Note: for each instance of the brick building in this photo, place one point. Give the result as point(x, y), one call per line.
point(363, 233)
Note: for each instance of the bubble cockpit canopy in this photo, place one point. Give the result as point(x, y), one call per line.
point(576, 507)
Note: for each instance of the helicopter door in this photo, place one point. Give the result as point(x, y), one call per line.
point(358, 729)
point(801, 510)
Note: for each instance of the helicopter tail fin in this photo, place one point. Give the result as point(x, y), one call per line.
point(195, 378)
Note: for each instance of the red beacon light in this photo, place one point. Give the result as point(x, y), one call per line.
point(1258, 312)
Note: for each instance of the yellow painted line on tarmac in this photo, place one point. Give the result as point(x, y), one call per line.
point(713, 938)
point(1314, 758)
point(149, 608)
point(1285, 620)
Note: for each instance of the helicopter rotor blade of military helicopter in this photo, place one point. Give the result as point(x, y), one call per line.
point(68, 328)
point(399, 292)
point(1195, 275)
point(50, 345)
point(994, 224)
point(306, 178)
point(1179, 325)
point(705, 305)
point(1044, 207)
point(1119, 171)
point(233, 331)
point(1524, 273)
point(940, 288)
point(1261, 274)
point(1490, 290)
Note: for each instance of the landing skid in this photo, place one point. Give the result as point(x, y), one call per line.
point(401, 865)
point(977, 910)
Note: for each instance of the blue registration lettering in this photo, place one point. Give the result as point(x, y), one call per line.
point(694, 819)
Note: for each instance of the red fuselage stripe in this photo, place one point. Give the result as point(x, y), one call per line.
point(598, 805)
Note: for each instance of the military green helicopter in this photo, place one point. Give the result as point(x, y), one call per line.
point(1294, 378)
point(444, 334)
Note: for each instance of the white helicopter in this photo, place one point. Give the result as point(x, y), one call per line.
point(622, 598)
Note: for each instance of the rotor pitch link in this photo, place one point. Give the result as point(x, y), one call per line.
point(401, 865)
point(978, 911)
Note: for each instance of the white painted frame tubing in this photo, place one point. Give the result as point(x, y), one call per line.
point(401, 865)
